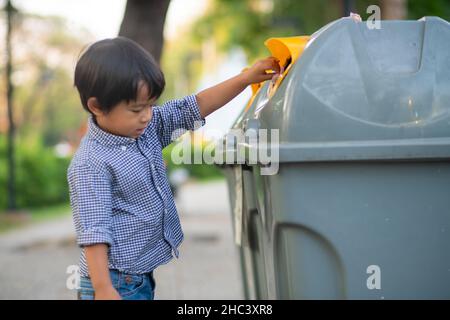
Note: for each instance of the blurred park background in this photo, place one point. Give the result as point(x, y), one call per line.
point(198, 43)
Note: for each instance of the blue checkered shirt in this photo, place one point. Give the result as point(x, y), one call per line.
point(120, 195)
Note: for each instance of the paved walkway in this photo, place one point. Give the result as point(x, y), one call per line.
point(34, 259)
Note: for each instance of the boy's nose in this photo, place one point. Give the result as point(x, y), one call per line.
point(146, 117)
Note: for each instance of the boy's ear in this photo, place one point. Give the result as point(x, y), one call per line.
point(94, 106)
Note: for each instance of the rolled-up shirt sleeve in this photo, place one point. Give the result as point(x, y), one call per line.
point(175, 116)
point(90, 199)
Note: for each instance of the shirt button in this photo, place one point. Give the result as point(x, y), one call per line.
point(123, 148)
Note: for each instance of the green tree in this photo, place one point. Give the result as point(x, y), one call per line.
point(46, 108)
point(247, 23)
point(46, 105)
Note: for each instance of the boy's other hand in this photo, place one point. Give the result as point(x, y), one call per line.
point(107, 293)
point(258, 72)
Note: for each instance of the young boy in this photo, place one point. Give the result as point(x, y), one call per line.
point(123, 210)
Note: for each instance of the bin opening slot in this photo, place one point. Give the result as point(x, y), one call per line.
point(287, 50)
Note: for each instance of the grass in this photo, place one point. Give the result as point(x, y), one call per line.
point(10, 221)
point(43, 214)
point(209, 179)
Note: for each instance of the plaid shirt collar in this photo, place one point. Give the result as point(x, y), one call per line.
point(106, 138)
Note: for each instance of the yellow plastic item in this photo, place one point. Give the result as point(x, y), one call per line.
point(287, 50)
point(255, 88)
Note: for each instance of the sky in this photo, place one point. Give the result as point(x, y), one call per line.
point(81, 13)
point(91, 14)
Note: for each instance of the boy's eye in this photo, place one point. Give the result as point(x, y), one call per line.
point(138, 108)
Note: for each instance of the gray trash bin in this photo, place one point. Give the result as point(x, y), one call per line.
point(360, 205)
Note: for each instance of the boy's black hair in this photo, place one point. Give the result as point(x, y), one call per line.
point(111, 71)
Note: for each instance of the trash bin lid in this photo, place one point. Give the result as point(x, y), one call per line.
point(365, 94)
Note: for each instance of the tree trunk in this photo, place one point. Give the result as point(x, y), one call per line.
point(143, 22)
point(10, 11)
point(393, 9)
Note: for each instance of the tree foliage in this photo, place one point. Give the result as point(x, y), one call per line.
point(247, 23)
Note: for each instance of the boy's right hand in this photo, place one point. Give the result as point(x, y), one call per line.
point(107, 293)
point(258, 71)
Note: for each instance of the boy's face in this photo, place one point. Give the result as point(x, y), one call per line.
point(128, 119)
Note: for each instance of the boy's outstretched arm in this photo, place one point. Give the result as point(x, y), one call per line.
point(211, 99)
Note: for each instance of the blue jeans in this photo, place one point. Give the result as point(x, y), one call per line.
point(129, 286)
